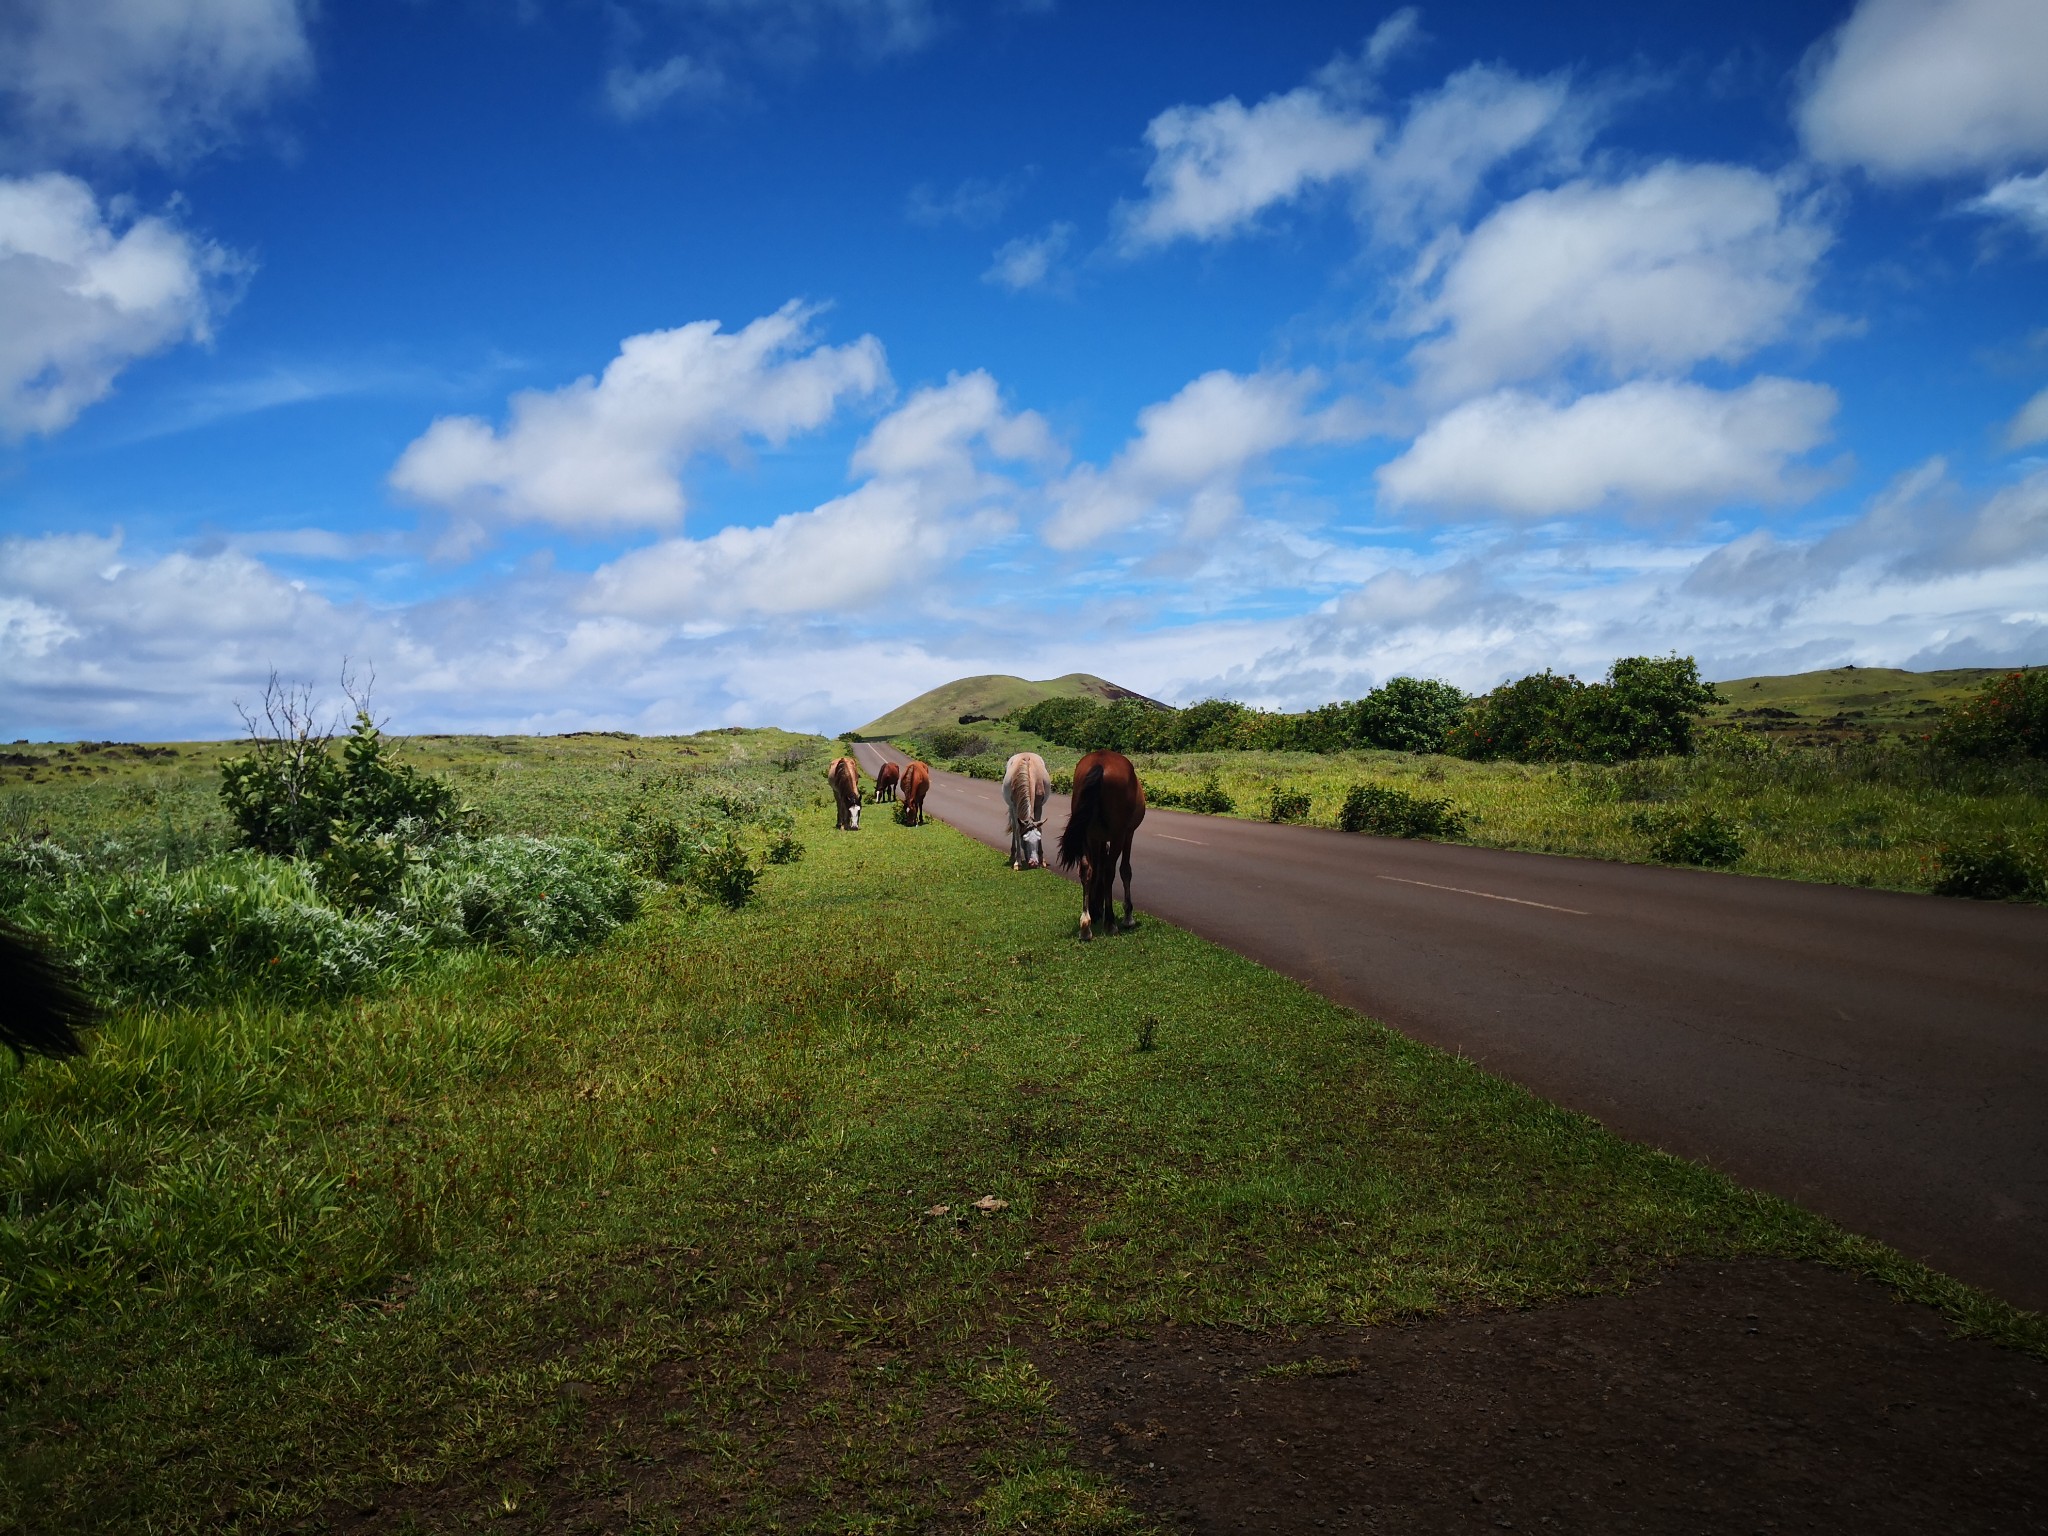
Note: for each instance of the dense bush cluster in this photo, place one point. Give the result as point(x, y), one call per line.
point(1406, 714)
point(1648, 706)
point(245, 921)
point(1285, 804)
point(2007, 719)
point(698, 835)
point(1705, 838)
point(1208, 798)
point(289, 797)
point(1998, 870)
point(1387, 812)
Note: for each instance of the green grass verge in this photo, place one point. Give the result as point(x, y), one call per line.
point(1872, 816)
point(655, 1229)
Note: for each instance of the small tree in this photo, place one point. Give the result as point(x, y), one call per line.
point(289, 796)
point(2007, 717)
point(1408, 714)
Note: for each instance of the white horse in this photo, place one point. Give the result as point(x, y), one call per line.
point(1025, 786)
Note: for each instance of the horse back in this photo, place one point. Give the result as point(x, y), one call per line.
point(844, 776)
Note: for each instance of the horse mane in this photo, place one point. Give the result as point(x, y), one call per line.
point(1074, 839)
point(44, 1009)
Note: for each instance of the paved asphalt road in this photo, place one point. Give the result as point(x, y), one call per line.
point(1879, 1057)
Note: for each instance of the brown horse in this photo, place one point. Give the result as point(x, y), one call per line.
point(1109, 802)
point(916, 783)
point(886, 777)
point(844, 776)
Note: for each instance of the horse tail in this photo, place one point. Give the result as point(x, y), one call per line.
point(44, 1009)
point(1087, 802)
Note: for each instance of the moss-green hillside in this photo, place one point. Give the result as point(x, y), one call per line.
point(994, 695)
point(1847, 701)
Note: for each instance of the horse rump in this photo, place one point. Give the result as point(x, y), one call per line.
point(42, 1008)
point(1087, 800)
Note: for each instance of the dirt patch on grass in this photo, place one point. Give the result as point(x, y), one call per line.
point(1728, 1397)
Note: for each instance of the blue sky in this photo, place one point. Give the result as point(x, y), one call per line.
point(659, 364)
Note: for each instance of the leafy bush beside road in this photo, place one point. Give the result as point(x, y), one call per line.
point(1386, 812)
point(2007, 719)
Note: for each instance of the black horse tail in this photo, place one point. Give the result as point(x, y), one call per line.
point(1074, 840)
point(41, 1007)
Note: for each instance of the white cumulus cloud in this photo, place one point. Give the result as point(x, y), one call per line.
point(1914, 88)
point(2030, 426)
point(1648, 444)
point(1677, 266)
point(1029, 261)
point(1191, 454)
point(608, 452)
point(931, 492)
point(2023, 199)
point(82, 296)
point(632, 93)
point(163, 78)
point(1216, 168)
point(1453, 137)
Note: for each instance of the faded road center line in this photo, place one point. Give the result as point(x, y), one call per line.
point(1172, 839)
point(1489, 895)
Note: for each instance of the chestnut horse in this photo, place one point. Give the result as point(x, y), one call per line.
point(885, 782)
point(916, 782)
point(844, 776)
point(1108, 804)
point(41, 1008)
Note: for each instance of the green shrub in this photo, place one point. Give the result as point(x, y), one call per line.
point(1063, 781)
point(361, 870)
point(1287, 804)
point(989, 766)
point(246, 922)
point(945, 741)
point(1990, 871)
point(783, 848)
point(238, 922)
point(530, 895)
point(1407, 714)
point(1704, 838)
point(1648, 706)
point(719, 867)
point(1208, 798)
point(289, 797)
point(1387, 812)
point(2008, 718)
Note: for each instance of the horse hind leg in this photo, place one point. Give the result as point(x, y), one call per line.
point(1130, 914)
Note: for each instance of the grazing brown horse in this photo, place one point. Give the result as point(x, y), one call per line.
point(844, 776)
point(886, 777)
point(916, 783)
point(1109, 802)
point(41, 1008)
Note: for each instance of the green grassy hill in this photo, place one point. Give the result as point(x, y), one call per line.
point(994, 695)
point(1844, 702)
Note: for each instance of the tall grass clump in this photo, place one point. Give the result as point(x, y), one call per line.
point(246, 923)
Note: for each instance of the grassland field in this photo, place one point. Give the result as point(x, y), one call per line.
point(1870, 813)
point(748, 1219)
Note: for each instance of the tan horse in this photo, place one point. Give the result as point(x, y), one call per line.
point(844, 776)
point(916, 783)
point(1109, 802)
point(1025, 786)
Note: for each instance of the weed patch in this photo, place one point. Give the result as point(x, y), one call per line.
point(1386, 812)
